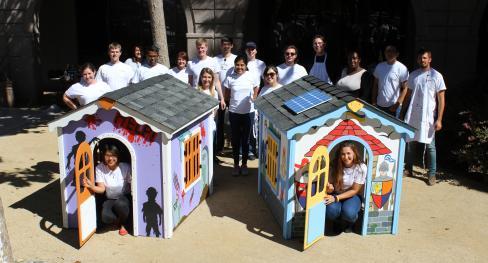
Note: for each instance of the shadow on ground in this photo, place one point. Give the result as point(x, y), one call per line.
point(46, 204)
point(472, 181)
point(22, 120)
point(42, 172)
point(237, 198)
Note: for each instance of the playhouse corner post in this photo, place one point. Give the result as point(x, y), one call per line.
point(167, 189)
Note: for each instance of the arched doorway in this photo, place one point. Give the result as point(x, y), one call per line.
point(364, 25)
point(100, 22)
point(127, 155)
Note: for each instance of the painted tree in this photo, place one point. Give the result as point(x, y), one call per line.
point(158, 28)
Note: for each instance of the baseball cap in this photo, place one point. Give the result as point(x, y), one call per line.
point(251, 44)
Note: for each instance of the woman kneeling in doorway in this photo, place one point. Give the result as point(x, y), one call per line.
point(113, 178)
point(346, 182)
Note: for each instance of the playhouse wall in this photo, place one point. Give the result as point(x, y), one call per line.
point(380, 218)
point(185, 200)
point(273, 195)
point(145, 144)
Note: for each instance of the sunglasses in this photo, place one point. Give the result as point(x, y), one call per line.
point(290, 54)
point(271, 74)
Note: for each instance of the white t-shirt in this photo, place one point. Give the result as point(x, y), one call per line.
point(424, 85)
point(268, 89)
point(181, 74)
point(225, 64)
point(85, 94)
point(134, 65)
point(288, 74)
point(354, 174)
point(216, 96)
point(196, 65)
point(241, 91)
point(117, 75)
point(116, 182)
point(350, 82)
point(389, 78)
point(146, 72)
point(256, 67)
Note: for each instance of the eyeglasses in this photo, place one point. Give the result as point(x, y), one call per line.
point(271, 74)
point(290, 54)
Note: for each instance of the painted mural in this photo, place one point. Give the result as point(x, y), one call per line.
point(186, 199)
point(144, 147)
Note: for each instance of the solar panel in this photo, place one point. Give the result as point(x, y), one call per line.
point(307, 100)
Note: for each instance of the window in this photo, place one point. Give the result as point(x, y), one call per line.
point(192, 159)
point(272, 160)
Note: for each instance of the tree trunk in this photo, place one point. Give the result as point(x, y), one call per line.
point(158, 28)
point(5, 250)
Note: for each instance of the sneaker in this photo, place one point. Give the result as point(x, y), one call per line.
point(236, 171)
point(123, 231)
point(244, 171)
point(432, 180)
point(251, 157)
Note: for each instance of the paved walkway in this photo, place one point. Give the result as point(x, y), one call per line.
point(443, 223)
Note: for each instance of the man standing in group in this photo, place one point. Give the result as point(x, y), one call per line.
point(256, 67)
point(427, 88)
point(152, 68)
point(389, 87)
point(115, 73)
point(202, 60)
point(226, 62)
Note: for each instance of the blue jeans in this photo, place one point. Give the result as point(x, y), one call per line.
point(431, 154)
point(346, 210)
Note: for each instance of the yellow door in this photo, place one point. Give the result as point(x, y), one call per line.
point(87, 216)
point(318, 172)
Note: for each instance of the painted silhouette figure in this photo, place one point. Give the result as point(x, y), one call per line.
point(151, 211)
point(80, 137)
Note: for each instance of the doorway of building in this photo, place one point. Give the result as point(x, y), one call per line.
point(363, 25)
point(127, 22)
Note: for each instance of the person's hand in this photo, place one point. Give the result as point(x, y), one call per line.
point(330, 188)
point(86, 183)
point(438, 125)
point(222, 104)
point(394, 107)
point(329, 199)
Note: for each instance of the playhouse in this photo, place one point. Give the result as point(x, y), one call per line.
point(165, 131)
point(300, 126)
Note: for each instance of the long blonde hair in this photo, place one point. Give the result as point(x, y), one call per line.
point(200, 84)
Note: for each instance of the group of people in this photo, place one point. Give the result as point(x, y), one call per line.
point(237, 80)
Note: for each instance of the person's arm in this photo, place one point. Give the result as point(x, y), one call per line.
point(354, 190)
point(227, 94)
point(99, 188)
point(441, 103)
point(218, 86)
point(190, 80)
point(69, 102)
point(406, 102)
point(374, 91)
point(401, 98)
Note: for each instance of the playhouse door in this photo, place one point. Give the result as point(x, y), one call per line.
point(316, 190)
point(87, 215)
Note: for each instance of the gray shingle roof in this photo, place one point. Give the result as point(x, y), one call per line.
point(166, 100)
point(272, 104)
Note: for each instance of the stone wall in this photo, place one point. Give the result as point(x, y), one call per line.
point(380, 222)
point(212, 20)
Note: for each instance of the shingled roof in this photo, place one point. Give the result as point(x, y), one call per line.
point(348, 127)
point(284, 119)
point(164, 99)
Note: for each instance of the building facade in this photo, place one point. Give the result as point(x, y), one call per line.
point(39, 38)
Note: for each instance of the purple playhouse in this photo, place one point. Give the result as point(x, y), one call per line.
point(164, 130)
